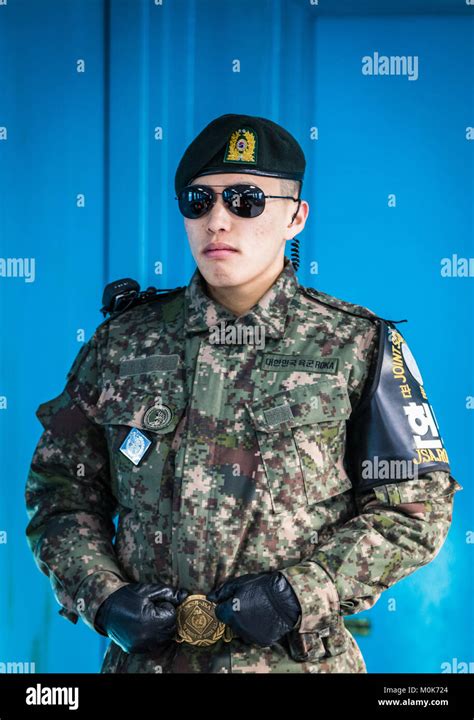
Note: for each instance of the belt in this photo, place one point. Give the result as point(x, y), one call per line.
point(197, 624)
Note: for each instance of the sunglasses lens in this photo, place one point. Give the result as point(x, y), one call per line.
point(244, 200)
point(194, 202)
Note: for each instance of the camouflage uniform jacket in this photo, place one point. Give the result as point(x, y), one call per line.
point(227, 485)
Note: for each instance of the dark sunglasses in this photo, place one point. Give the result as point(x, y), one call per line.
point(245, 201)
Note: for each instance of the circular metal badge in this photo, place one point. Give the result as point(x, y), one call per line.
point(157, 417)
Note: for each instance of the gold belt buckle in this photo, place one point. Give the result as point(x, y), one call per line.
point(197, 623)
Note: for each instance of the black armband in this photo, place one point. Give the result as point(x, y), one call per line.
point(392, 433)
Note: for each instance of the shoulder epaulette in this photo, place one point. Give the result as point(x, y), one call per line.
point(344, 306)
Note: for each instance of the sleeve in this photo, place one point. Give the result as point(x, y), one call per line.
point(68, 496)
point(399, 527)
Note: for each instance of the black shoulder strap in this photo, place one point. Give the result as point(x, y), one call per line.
point(344, 306)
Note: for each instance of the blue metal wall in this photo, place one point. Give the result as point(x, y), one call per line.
point(98, 101)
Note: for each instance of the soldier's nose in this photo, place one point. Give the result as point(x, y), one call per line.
point(219, 218)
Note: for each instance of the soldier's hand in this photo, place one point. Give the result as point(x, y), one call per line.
point(260, 608)
point(140, 616)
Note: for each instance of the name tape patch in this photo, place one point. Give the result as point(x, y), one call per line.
point(300, 362)
point(154, 363)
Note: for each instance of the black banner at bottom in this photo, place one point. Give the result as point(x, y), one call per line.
point(389, 695)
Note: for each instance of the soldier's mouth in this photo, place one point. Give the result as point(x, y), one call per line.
point(218, 251)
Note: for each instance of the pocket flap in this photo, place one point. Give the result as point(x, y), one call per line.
point(319, 402)
point(126, 404)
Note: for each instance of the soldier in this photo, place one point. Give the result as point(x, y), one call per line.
point(269, 450)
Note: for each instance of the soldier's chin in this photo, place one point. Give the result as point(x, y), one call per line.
point(221, 275)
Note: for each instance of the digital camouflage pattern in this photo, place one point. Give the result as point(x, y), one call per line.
point(247, 475)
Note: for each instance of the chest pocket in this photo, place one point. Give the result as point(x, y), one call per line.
point(142, 422)
point(301, 435)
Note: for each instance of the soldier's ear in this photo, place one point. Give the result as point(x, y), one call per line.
point(295, 213)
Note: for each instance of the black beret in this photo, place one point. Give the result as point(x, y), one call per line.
point(241, 144)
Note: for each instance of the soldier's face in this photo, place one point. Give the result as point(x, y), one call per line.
point(256, 244)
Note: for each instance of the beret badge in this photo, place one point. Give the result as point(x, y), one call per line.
point(242, 147)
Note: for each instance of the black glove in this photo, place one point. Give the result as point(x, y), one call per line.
point(267, 606)
point(140, 616)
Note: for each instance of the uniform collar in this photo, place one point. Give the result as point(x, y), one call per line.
point(202, 312)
